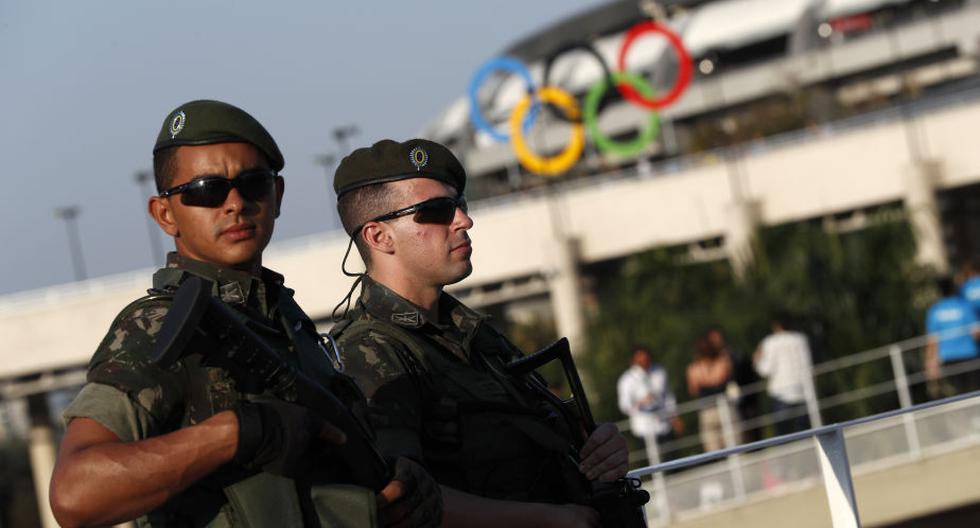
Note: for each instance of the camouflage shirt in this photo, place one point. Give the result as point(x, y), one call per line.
point(159, 396)
point(136, 399)
point(437, 392)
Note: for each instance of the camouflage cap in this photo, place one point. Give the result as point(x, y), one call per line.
point(206, 122)
point(388, 161)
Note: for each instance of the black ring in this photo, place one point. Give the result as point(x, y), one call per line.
point(608, 97)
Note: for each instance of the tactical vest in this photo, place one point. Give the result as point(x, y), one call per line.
point(483, 431)
point(231, 497)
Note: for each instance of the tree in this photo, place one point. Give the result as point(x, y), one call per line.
point(849, 292)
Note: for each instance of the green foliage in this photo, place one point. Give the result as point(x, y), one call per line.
point(848, 292)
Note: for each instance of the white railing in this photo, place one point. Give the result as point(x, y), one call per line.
point(831, 452)
point(883, 442)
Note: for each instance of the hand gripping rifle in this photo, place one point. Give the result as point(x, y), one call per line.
point(231, 344)
point(619, 503)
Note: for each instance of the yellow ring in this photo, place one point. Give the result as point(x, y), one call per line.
point(562, 161)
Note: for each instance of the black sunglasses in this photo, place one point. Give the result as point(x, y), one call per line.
point(212, 191)
point(440, 210)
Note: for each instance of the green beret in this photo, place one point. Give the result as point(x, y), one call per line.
point(205, 122)
point(388, 161)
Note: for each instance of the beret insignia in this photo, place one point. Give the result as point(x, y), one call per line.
point(177, 123)
point(419, 157)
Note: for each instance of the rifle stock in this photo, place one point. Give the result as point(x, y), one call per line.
point(251, 360)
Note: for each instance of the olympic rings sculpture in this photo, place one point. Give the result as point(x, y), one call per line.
point(632, 87)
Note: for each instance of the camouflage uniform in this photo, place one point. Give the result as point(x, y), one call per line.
point(437, 392)
point(136, 399)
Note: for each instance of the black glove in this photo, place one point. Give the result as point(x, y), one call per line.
point(277, 436)
point(420, 501)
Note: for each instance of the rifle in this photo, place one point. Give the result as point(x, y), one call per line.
point(196, 314)
point(620, 503)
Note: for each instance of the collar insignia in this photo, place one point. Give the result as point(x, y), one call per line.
point(232, 293)
point(407, 318)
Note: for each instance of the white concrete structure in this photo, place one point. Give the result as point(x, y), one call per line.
point(807, 176)
point(811, 174)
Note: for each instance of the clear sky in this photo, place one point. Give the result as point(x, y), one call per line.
point(85, 86)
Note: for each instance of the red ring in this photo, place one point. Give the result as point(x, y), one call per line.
point(683, 76)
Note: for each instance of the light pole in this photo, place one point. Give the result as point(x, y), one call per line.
point(143, 178)
point(341, 134)
point(327, 161)
point(70, 215)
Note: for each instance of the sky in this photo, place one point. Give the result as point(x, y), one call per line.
point(85, 86)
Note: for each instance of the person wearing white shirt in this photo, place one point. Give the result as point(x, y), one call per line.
point(783, 357)
point(645, 396)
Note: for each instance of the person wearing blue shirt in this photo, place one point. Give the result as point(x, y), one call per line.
point(953, 335)
point(970, 289)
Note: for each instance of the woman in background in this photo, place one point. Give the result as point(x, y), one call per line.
point(708, 375)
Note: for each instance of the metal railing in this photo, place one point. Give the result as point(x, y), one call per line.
point(831, 452)
point(741, 475)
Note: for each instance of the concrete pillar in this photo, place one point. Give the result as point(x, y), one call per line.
point(42, 453)
point(920, 202)
point(566, 291)
point(742, 218)
point(566, 303)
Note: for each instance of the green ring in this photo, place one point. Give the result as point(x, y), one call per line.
point(591, 110)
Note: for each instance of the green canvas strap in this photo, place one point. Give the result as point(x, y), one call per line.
point(316, 359)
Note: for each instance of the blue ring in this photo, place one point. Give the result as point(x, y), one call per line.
point(511, 65)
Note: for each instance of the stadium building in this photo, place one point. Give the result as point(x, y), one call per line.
point(796, 110)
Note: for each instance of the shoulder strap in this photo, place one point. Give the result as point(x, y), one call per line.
point(339, 327)
point(416, 360)
point(152, 296)
point(310, 348)
point(166, 282)
point(356, 327)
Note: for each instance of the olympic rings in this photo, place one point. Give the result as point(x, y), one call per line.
point(549, 62)
point(632, 87)
point(562, 161)
point(603, 143)
point(684, 73)
point(498, 64)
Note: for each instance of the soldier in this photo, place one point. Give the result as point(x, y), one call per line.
point(431, 367)
point(185, 445)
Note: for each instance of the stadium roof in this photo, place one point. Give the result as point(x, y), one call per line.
point(725, 22)
point(613, 17)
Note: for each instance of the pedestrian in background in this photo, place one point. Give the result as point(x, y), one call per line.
point(645, 397)
point(952, 343)
point(708, 375)
point(783, 357)
point(969, 280)
point(747, 395)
